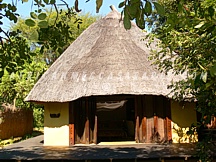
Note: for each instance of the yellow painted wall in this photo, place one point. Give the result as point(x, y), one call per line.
point(182, 116)
point(56, 130)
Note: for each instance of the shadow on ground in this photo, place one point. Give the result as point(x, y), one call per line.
point(33, 149)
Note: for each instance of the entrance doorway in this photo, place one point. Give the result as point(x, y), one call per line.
point(144, 119)
point(116, 119)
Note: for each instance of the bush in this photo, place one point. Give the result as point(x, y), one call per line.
point(38, 114)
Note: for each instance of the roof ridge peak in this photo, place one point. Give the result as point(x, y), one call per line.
point(113, 8)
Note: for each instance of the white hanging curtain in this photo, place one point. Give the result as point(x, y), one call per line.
point(109, 106)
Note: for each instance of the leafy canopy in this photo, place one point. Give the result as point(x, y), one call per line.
point(188, 45)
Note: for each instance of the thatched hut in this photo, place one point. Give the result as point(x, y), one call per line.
point(103, 87)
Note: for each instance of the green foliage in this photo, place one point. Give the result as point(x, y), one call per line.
point(38, 114)
point(204, 149)
point(30, 22)
point(126, 20)
point(42, 16)
point(188, 37)
point(140, 10)
point(16, 84)
point(53, 36)
point(188, 45)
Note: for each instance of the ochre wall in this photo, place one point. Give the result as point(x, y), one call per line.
point(56, 130)
point(182, 115)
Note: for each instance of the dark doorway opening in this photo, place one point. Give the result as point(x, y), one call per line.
point(116, 119)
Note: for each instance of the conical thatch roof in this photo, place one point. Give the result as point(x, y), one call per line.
point(104, 60)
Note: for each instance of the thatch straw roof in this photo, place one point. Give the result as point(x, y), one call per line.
point(105, 59)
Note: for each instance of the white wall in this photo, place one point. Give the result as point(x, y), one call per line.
point(56, 130)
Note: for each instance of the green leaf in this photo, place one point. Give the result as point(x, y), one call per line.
point(24, 0)
point(34, 35)
point(140, 19)
point(42, 16)
point(208, 85)
point(204, 76)
point(160, 9)
point(213, 70)
point(33, 15)
point(200, 25)
point(46, 1)
point(30, 22)
point(148, 8)
point(126, 21)
point(43, 24)
point(132, 11)
point(211, 11)
point(140, 23)
point(135, 2)
point(121, 4)
point(98, 5)
point(52, 1)
point(13, 8)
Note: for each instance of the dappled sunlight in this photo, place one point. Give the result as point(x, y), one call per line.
point(179, 135)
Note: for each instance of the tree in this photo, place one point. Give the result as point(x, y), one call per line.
point(188, 36)
point(57, 35)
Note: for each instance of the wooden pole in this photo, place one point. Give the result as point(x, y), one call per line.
point(87, 130)
point(144, 127)
point(71, 125)
point(137, 121)
point(95, 130)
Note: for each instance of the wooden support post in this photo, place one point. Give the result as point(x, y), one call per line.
point(87, 130)
point(169, 121)
point(169, 129)
point(95, 131)
point(71, 136)
point(155, 124)
point(137, 121)
point(71, 124)
point(144, 120)
point(165, 130)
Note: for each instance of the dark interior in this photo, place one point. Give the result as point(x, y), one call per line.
point(117, 124)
